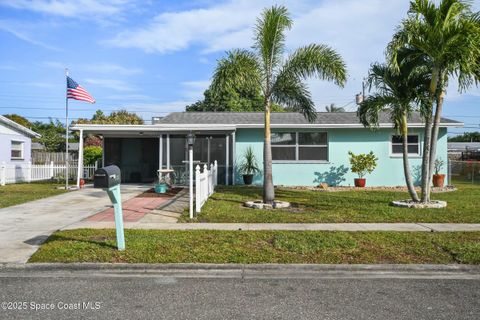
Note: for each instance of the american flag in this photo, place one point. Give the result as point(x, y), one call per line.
point(77, 92)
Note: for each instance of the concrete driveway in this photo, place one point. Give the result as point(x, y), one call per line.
point(24, 227)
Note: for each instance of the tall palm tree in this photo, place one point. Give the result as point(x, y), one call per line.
point(334, 108)
point(447, 36)
point(399, 94)
point(281, 80)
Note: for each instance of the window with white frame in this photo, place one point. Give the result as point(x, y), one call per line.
point(299, 146)
point(413, 144)
point(16, 150)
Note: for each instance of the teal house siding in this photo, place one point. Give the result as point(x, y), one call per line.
point(336, 171)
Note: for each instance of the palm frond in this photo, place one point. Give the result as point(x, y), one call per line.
point(371, 108)
point(315, 60)
point(291, 92)
point(270, 36)
point(239, 69)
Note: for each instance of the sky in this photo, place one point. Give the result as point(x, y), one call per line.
point(156, 57)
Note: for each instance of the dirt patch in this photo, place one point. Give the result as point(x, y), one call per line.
point(150, 193)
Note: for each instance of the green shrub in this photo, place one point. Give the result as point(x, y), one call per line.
point(362, 163)
point(91, 154)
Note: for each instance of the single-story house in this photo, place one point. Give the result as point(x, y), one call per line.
point(303, 153)
point(15, 142)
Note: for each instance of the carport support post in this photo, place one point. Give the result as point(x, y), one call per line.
point(80, 159)
point(190, 173)
point(116, 198)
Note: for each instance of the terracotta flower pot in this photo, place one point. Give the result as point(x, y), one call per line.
point(438, 180)
point(248, 179)
point(360, 182)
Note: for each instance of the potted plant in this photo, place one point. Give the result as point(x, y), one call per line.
point(438, 179)
point(249, 166)
point(361, 165)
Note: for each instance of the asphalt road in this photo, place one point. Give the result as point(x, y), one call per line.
point(239, 294)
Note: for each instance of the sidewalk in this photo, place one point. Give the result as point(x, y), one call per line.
point(354, 227)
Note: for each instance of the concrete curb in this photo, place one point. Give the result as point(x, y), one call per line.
point(244, 271)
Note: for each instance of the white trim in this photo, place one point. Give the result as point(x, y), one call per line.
point(160, 152)
point(297, 147)
point(227, 162)
point(22, 145)
point(400, 155)
point(234, 156)
point(231, 127)
point(19, 127)
point(168, 151)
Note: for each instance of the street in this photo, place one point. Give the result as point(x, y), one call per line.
point(239, 293)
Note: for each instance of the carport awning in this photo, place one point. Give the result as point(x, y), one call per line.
point(149, 130)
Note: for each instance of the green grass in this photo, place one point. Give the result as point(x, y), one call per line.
point(13, 194)
point(199, 246)
point(226, 205)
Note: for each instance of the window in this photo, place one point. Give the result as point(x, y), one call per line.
point(299, 146)
point(413, 142)
point(17, 150)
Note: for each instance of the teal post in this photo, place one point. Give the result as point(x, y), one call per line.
point(115, 197)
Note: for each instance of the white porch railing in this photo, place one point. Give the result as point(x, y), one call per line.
point(28, 172)
point(205, 183)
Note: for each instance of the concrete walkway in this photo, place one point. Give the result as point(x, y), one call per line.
point(354, 227)
point(24, 227)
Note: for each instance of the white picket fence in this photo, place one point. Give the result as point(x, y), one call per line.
point(28, 172)
point(205, 183)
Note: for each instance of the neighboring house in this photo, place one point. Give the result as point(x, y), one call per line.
point(15, 142)
point(303, 153)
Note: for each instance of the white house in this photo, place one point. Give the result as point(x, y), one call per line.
point(15, 144)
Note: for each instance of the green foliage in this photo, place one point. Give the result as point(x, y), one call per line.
point(52, 135)
point(362, 163)
point(249, 164)
point(19, 119)
point(117, 117)
point(229, 99)
point(438, 164)
point(280, 80)
point(91, 154)
point(466, 137)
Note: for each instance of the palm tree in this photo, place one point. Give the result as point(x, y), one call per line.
point(281, 80)
point(398, 93)
point(334, 108)
point(447, 37)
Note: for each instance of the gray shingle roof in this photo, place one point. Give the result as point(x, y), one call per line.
point(327, 118)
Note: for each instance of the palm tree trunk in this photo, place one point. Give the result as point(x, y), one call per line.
point(268, 190)
point(428, 137)
point(436, 124)
point(406, 166)
point(426, 158)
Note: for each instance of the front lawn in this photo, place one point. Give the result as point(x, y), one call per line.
point(13, 194)
point(226, 205)
point(200, 246)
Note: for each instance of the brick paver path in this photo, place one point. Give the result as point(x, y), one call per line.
point(136, 208)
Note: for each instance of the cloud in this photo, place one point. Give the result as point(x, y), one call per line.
point(358, 30)
point(98, 68)
point(14, 29)
point(173, 31)
point(114, 84)
point(194, 89)
point(70, 9)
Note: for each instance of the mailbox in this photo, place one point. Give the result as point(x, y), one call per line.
point(106, 177)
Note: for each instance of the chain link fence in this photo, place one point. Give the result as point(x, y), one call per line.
point(465, 171)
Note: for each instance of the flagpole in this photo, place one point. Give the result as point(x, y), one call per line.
point(66, 126)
